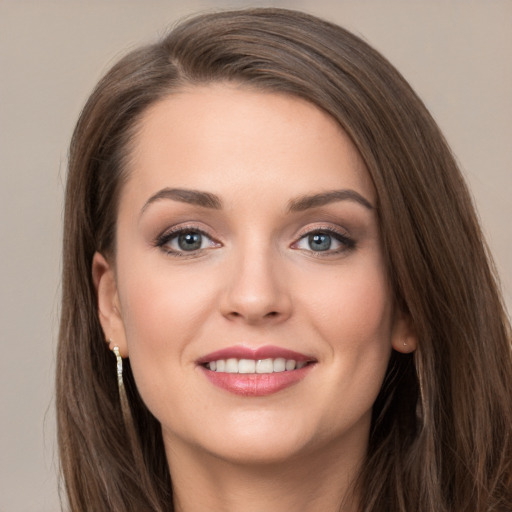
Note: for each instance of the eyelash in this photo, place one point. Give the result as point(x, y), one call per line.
point(347, 243)
point(170, 235)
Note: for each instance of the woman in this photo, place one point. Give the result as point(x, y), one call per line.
point(269, 231)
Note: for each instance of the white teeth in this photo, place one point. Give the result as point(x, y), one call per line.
point(290, 365)
point(265, 366)
point(232, 365)
point(246, 366)
point(279, 364)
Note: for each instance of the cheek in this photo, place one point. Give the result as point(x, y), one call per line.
point(352, 306)
point(352, 313)
point(164, 310)
point(154, 302)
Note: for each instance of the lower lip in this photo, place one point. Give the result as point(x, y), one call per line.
point(256, 384)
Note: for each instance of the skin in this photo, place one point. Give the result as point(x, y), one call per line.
point(255, 281)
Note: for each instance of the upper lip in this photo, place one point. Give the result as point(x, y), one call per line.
point(244, 352)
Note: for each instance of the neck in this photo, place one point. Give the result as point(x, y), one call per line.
point(305, 483)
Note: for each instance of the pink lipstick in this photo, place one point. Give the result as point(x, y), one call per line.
point(255, 371)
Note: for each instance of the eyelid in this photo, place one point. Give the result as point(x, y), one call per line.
point(339, 234)
point(329, 228)
point(169, 234)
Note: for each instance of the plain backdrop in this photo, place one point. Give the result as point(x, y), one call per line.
point(456, 54)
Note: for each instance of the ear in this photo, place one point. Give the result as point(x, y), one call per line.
point(109, 307)
point(403, 337)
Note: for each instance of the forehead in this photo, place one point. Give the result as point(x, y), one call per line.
point(226, 138)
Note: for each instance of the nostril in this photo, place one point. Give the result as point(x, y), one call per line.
point(268, 316)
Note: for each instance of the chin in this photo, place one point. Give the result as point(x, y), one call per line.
point(246, 438)
point(260, 449)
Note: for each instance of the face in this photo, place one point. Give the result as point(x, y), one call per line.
point(248, 241)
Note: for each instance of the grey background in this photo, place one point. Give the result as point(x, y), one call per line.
point(457, 55)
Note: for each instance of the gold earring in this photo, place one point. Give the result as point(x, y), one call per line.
point(119, 359)
point(125, 406)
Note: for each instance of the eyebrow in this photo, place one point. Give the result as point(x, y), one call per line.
point(315, 200)
point(300, 204)
point(196, 197)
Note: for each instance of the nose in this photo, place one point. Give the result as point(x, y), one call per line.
point(255, 289)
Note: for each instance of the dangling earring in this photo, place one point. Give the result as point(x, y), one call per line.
point(125, 406)
point(119, 359)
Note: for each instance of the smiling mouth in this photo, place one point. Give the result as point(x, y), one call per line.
point(258, 366)
point(261, 371)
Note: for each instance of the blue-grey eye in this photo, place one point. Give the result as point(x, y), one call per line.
point(190, 241)
point(325, 241)
point(320, 241)
point(185, 240)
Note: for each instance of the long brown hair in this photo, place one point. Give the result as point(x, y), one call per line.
point(440, 439)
